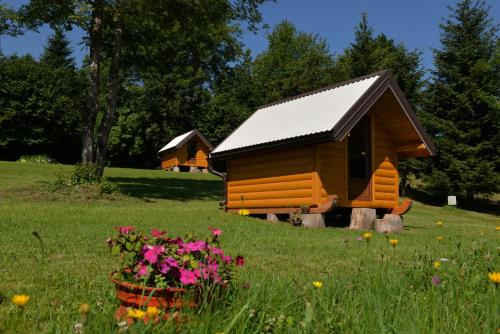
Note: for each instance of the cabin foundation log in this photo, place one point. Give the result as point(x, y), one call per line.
point(204, 171)
point(363, 219)
point(389, 224)
point(176, 169)
point(194, 169)
point(271, 217)
point(313, 220)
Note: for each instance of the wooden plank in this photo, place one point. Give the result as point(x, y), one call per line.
point(284, 202)
point(385, 173)
point(385, 197)
point(263, 180)
point(296, 193)
point(307, 184)
point(384, 188)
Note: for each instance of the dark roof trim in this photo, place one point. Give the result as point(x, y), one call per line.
point(366, 101)
point(194, 132)
point(348, 121)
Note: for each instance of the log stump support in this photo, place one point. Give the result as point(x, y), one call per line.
point(363, 219)
point(389, 224)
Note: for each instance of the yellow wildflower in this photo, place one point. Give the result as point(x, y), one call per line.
point(440, 238)
point(84, 309)
point(20, 300)
point(134, 313)
point(439, 223)
point(394, 242)
point(497, 228)
point(317, 284)
point(152, 312)
point(367, 236)
point(436, 264)
point(243, 212)
point(494, 277)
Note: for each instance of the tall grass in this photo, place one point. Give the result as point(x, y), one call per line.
point(367, 287)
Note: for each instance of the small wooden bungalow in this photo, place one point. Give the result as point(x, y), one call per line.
point(337, 146)
point(189, 150)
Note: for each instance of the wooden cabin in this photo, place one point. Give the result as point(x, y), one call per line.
point(334, 147)
point(187, 151)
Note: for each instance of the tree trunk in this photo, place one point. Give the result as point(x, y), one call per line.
point(92, 109)
point(114, 88)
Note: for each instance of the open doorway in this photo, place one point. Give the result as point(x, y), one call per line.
point(360, 160)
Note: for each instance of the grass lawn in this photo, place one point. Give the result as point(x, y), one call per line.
point(367, 287)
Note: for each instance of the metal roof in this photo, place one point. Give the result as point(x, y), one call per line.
point(304, 115)
point(178, 141)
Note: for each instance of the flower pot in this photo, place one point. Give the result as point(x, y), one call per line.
point(140, 297)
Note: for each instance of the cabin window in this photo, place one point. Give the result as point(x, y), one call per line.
point(191, 148)
point(360, 159)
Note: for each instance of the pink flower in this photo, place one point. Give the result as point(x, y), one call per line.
point(157, 233)
point(152, 253)
point(143, 270)
point(190, 247)
point(436, 280)
point(168, 263)
point(124, 229)
point(188, 277)
point(240, 260)
point(216, 251)
point(216, 232)
point(226, 258)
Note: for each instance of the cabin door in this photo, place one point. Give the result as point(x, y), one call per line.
point(360, 160)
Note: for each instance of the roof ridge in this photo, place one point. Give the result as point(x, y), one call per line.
point(323, 89)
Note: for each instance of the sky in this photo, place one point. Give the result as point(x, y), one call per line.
point(412, 22)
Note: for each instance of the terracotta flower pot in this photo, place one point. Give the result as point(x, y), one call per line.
point(141, 297)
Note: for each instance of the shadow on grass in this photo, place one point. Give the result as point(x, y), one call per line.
point(479, 205)
point(172, 188)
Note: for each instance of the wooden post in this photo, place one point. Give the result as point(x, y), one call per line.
point(363, 219)
point(313, 220)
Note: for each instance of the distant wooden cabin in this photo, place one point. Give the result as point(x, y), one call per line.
point(189, 150)
point(337, 146)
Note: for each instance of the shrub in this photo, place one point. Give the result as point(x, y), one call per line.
point(85, 174)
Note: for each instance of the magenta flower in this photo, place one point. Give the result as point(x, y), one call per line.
point(157, 233)
point(216, 251)
point(436, 280)
point(216, 232)
point(190, 247)
point(240, 260)
point(152, 253)
point(125, 229)
point(168, 263)
point(226, 258)
point(143, 270)
point(188, 277)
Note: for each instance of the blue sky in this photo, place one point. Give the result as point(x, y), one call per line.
point(415, 23)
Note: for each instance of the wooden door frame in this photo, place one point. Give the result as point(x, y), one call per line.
point(367, 194)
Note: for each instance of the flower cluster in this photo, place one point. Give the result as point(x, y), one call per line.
point(161, 261)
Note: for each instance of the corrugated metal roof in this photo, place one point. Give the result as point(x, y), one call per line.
point(174, 142)
point(305, 115)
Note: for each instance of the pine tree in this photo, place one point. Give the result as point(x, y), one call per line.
point(463, 106)
point(362, 51)
point(57, 52)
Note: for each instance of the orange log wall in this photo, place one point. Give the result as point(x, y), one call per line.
point(305, 176)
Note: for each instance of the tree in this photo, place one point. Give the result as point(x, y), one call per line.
point(58, 52)
point(293, 63)
point(113, 27)
point(369, 53)
point(462, 103)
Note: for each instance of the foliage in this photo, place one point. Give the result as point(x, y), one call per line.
point(39, 105)
point(160, 261)
point(40, 159)
point(462, 103)
point(85, 174)
point(364, 287)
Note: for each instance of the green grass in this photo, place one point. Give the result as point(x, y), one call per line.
point(368, 288)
